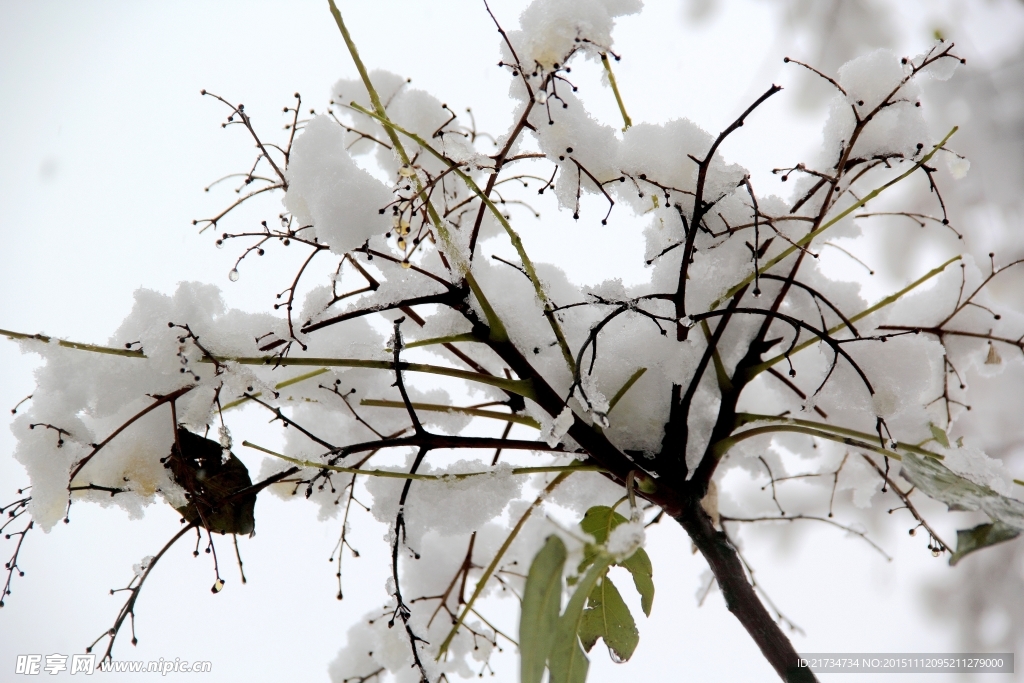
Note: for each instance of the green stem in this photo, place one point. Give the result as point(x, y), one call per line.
point(806, 239)
point(615, 89)
point(850, 437)
point(625, 387)
point(497, 558)
point(516, 386)
point(497, 327)
point(757, 369)
point(722, 447)
point(441, 408)
point(74, 345)
point(279, 385)
point(467, 337)
point(522, 387)
point(361, 68)
point(721, 376)
point(387, 474)
point(531, 272)
point(300, 378)
point(498, 332)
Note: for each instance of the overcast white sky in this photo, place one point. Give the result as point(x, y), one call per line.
point(107, 146)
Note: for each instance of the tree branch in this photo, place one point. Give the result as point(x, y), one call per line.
point(740, 597)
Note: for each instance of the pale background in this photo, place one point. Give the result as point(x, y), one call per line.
point(106, 147)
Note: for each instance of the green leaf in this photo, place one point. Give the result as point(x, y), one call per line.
point(981, 536)
point(542, 600)
point(939, 482)
point(567, 662)
point(607, 617)
point(639, 565)
point(939, 435)
point(599, 522)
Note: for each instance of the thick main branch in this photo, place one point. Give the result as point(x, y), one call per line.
point(739, 594)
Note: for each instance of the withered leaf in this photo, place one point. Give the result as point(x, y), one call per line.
point(211, 485)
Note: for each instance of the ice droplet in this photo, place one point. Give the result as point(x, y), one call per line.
point(541, 97)
point(218, 586)
point(233, 275)
point(406, 264)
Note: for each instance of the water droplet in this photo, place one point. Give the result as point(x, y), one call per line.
point(220, 244)
point(406, 171)
point(936, 552)
point(401, 244)
point(541, 97)
point(233, 275)
point(406, 264)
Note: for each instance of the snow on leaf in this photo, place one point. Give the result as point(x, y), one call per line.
point(601, 522)
point(959, 493)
